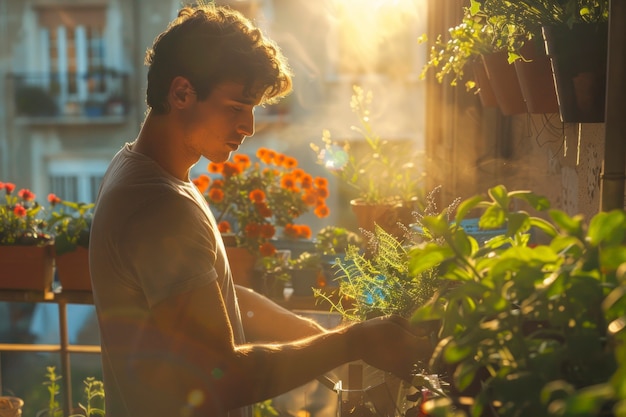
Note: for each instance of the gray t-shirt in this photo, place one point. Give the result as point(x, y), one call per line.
point(153, 236)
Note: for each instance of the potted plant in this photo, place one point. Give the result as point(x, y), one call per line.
point(11, 406)
point(255, 201)
point(26, 250)
point(70, 223)
point(526, 329)
point(385, 175)
point(331, 243)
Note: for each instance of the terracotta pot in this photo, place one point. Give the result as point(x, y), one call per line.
point(26, 267)
point(534, 74)
point(242, 264)
point(579, 57)
point(503, 80)
point(485, 92)
point(73, 270)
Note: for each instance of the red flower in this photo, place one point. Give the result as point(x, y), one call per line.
point(53, 199)
point(19, 210)
point(253, 230)
point(304, 231)
point(263, 210)
point(26, 194)
point(229, 169)
point(9, 187)
point(224, 227)
point(267, 249)
point(267, 231)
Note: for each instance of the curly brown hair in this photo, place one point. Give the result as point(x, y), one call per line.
point(211, 44)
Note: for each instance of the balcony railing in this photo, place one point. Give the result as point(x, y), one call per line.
point(96, 96)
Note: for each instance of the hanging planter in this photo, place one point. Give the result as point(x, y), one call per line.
point(28, 268)
point(534, 74)
point(503, 80)
point(578, 56)
point(485, 92)
point(73, 270)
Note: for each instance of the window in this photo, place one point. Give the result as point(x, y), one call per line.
point(76, 179)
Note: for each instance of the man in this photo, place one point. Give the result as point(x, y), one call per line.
point(176, 333)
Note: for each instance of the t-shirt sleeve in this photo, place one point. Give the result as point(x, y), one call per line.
point(169, 248)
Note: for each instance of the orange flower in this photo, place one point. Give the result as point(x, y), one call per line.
point(289, 183)
point(298, 173)
point(253, 230)
point(263, 210)
point(267, 249)
point(215, 168)
point(267, 231)
point(217, 183)
point(242, 160)
point(291, 230)
point(279, 159)
point(290, 162)
point(304, 231)
point(202, 182)
point(320, 182)
point(216, 194)
point(322, 211)
point(224, 227)
point(229, 169)
point(310, 198)
point(306, 182)
point(9, 187)
point(322, 192)
point(257, 196)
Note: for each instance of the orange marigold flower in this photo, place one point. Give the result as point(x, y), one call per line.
point(257, 196)
point(267, 231)
point(321, 211)
point(53, 199)
point(9, 187)
point(298, 173)
point(215, 168)
point(279, 159)
point(242, 160)
point(290, 230)
point(263, 155)
point(263, 209)
point(19, 210)
point(230, 169)
point(322, 192)
point(309, 198)
point(253, 230)
point(26, 194)
point(306, 182)
point(224, 227)
point(304, 231)
point(202, 182)
point(320, 182)
point(290, 162)
point(216, 194)
point(267, 249)
point(217, 183)
point(288, 182)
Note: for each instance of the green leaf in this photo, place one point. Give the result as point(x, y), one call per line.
point(518, 222)
point(466, 206)
point(537, 202)
point(500, 195)
point(428, 257)
point(543, 225)
point(493, 218)
point(571, 225)
point(464, 374)
point(453, 353)
point(607, 227)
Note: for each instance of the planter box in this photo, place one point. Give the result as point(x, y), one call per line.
point(73, 270)
point(29, 268)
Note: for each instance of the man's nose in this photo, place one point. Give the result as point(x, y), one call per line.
point(246, 124)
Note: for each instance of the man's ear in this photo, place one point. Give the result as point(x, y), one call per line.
point(180, 92)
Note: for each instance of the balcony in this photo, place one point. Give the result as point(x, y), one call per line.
point(96, 97)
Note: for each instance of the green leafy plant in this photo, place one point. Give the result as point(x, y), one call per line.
point(70, 223)
point(333, 240)
point(21, 218)
point(93, 395)
point(385, 171)
point(527, 328)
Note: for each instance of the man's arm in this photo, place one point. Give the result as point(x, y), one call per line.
point(266, 321)
point(230, 376)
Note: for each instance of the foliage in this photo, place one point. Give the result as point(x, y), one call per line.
point(306, 260)
point(253, 199)
point(21, 221)
point(529, 329)
point(378, 282)
point(93, 395)
point(264, 409)
point(385, 172)
point(70, 227)
point(333, 240)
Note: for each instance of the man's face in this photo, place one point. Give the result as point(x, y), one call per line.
point(218, 125)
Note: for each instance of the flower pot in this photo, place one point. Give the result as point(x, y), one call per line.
point(503, 80)
point(578, 57)
point(534, 74)
point(28, 268)
point(304, 280)
point(386, 216)
point(485, 92)
point(73, 270)
point(242, 264)
point(10, 406)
